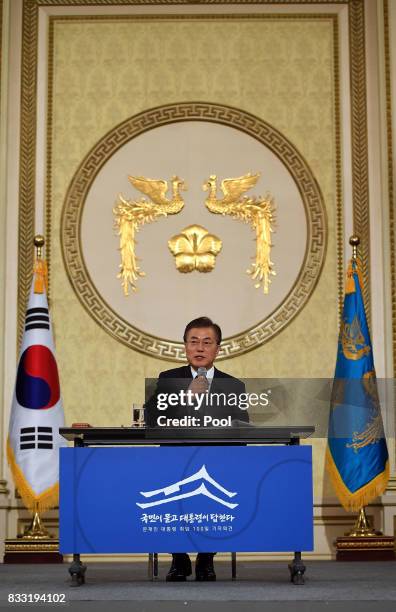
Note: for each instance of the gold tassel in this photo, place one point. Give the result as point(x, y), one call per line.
point(35, 503)
point(40, 272)
point(350, 281)
point(353, 502)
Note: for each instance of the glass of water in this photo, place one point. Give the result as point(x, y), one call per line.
point(138, 415)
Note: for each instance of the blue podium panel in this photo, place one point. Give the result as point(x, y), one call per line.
point(186, 498)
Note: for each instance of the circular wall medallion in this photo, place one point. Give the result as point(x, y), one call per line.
point(193, 140)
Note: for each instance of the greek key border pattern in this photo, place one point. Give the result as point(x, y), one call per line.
point(360, 181)
point(174, 113)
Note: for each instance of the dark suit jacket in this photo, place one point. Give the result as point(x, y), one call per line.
point(219, 406)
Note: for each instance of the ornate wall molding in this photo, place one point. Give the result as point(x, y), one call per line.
point(338, 173)
point(28, 123)
point(1, 36)
point(48, 178)
point(81, 183)
point(391, 191)
point(27, 156)
point(4, 490)
point(360, 181)
point(175, 2)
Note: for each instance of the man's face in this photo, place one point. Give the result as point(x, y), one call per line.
point(201, 347)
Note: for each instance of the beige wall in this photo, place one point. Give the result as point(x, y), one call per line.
point(287, 70)
point(115, 71)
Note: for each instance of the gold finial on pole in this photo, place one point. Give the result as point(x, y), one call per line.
point(354, 241)
point(39, 241)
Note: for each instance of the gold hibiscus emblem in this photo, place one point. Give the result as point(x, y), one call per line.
point(195, 249)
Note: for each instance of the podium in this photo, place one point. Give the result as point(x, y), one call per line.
point(238, 489)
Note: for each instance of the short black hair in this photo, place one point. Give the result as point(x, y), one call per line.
point(203, 322)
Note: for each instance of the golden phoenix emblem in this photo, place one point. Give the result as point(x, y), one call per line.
point(195, 249)
point(130, 215)
point(259, 212)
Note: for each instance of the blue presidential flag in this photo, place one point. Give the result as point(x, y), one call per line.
point(357, 454)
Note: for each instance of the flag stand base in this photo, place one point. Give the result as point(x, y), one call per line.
point(363, 543)
point(36, 545)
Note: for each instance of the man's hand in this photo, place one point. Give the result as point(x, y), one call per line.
point(199, 385)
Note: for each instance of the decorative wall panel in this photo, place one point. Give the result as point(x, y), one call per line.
point(194, 145)
point(283, 70)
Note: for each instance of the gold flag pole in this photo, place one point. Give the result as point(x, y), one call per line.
point(36, 545)
point(36, 531)
point(363, 542)
point(362, 527)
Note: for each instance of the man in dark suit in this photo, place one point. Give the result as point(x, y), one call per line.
point(203, 383)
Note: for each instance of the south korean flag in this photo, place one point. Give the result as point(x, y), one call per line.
point(37, 412)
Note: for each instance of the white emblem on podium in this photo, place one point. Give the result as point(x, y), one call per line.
point(203, 475)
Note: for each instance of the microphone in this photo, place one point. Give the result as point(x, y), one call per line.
point(201, 372)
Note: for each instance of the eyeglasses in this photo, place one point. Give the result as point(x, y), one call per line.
point(204, 343)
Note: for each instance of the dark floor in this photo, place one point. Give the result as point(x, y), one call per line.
point(329, 586)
